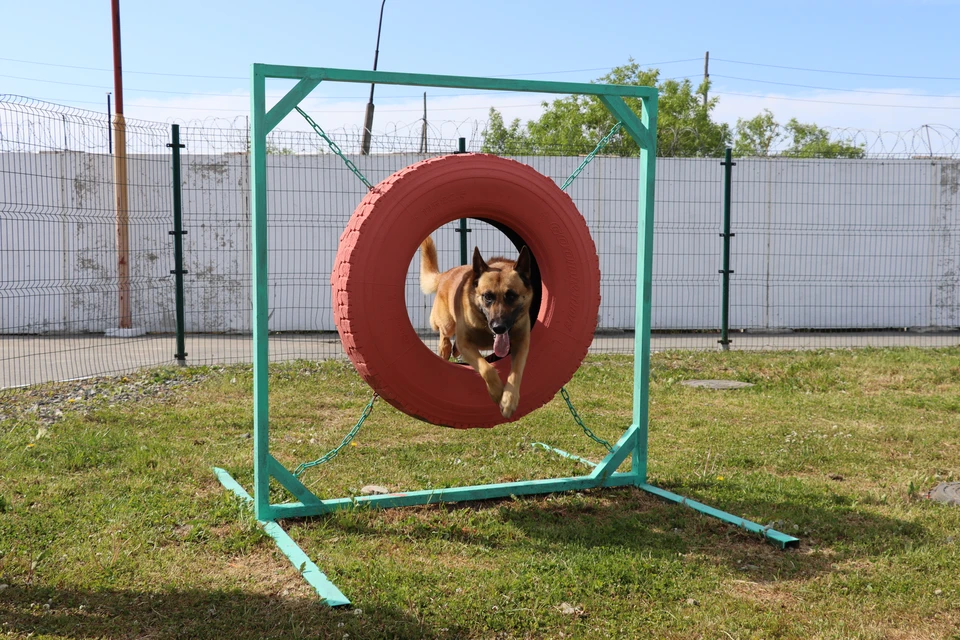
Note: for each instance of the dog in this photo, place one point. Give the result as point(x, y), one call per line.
point(484, 305)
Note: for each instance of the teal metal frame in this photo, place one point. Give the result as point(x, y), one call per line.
point(632, 443)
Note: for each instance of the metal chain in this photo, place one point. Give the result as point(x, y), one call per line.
point(586, 429)
point(335, 148)
point(563, 390)
point(590, 156)
point(330, 455)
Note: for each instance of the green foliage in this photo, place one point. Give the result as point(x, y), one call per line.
point(810, 141)
point(502, 140)
point(685, 128)
point(274, 150)
point(574, 124)
point(760, 136)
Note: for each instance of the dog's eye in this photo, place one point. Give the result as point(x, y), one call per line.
point(488, 298)
point(511, 296)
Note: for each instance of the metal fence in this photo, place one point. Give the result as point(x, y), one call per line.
point(825, 253)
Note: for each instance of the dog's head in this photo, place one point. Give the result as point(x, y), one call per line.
point(502, 291)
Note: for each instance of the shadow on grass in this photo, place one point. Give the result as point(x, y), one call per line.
point(117, 614)
point(629, 520)
point(638, 521)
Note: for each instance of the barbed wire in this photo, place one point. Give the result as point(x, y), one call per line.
point(27, 124)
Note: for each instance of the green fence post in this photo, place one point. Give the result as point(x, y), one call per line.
point(462, 229)
point(728, 165)
point(178, 233)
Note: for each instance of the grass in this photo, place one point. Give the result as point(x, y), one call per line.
point(112, 524)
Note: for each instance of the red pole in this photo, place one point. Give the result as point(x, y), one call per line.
point(117, 67)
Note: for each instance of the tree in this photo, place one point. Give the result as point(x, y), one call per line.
point(757, 136)
point(503, 140)
point(575, 124)
point(761, 136)
point(810, 141)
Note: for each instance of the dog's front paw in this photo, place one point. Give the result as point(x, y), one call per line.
point(508, 402)
point(495, 388)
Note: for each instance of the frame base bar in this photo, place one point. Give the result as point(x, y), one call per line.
point(781, 539)
point(327, 591)
point(452, 494)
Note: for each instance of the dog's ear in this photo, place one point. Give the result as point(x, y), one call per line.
point(523, 265)
point(479, 266)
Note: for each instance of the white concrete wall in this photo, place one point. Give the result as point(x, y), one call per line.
point(819, 244)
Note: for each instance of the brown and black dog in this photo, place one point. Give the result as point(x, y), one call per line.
point(483, 306)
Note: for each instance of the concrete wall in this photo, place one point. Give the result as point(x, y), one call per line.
point(819, 244)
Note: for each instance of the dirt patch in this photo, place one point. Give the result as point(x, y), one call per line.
point(767, 594)
point(266, 573)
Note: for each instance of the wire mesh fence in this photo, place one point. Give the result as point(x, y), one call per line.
point(826, 253)
point(59, 255)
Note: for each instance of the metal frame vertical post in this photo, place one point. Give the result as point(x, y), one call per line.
point(462, 229)
point(728, 165)
point(178, 233)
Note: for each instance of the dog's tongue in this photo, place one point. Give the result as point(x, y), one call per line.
point(501, 344)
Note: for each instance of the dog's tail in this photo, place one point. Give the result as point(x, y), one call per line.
point(429, 269)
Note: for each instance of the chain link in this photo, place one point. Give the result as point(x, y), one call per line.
point(586, 429)
point(590, 156)
point(330, 455)
point(335, 148)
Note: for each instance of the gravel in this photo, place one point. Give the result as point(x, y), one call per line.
point(47, 404)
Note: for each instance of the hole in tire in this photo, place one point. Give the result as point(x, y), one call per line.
point(494, 240)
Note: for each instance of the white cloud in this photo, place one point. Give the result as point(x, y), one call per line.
point(870, 111)
point(886, 122)
point(447, 116)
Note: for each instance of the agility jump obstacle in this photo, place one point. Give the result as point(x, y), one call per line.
point(560, 248)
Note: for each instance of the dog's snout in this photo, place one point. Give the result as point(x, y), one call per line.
point(499, 327)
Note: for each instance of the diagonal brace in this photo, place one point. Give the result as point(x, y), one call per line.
point(286, 104)
point(637, 130)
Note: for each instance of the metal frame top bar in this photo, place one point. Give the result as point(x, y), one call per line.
point(451, 82)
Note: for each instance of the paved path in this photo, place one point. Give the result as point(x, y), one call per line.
point(28, 360)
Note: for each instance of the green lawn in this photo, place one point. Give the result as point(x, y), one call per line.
point(112, 524)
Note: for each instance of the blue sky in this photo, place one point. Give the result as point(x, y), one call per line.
point(881, 64)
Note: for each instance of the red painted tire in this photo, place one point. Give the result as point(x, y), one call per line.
point(371, 268)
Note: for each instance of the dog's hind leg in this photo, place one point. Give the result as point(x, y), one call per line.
point(446, 347)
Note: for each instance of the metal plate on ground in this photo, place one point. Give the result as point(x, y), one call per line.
point(717, 384)
point(946, 492)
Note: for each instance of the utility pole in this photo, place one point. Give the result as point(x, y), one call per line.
point(368, 118)
point(706, 75)
point(423, 134)
point(124, 316)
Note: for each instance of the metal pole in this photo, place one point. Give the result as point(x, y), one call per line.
point(120, 181)
point(178, 233)
point(423, 132)
point(109, 126)
point(368, 117)
point(706, 75)
point(462, 230)
point(728, 165)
